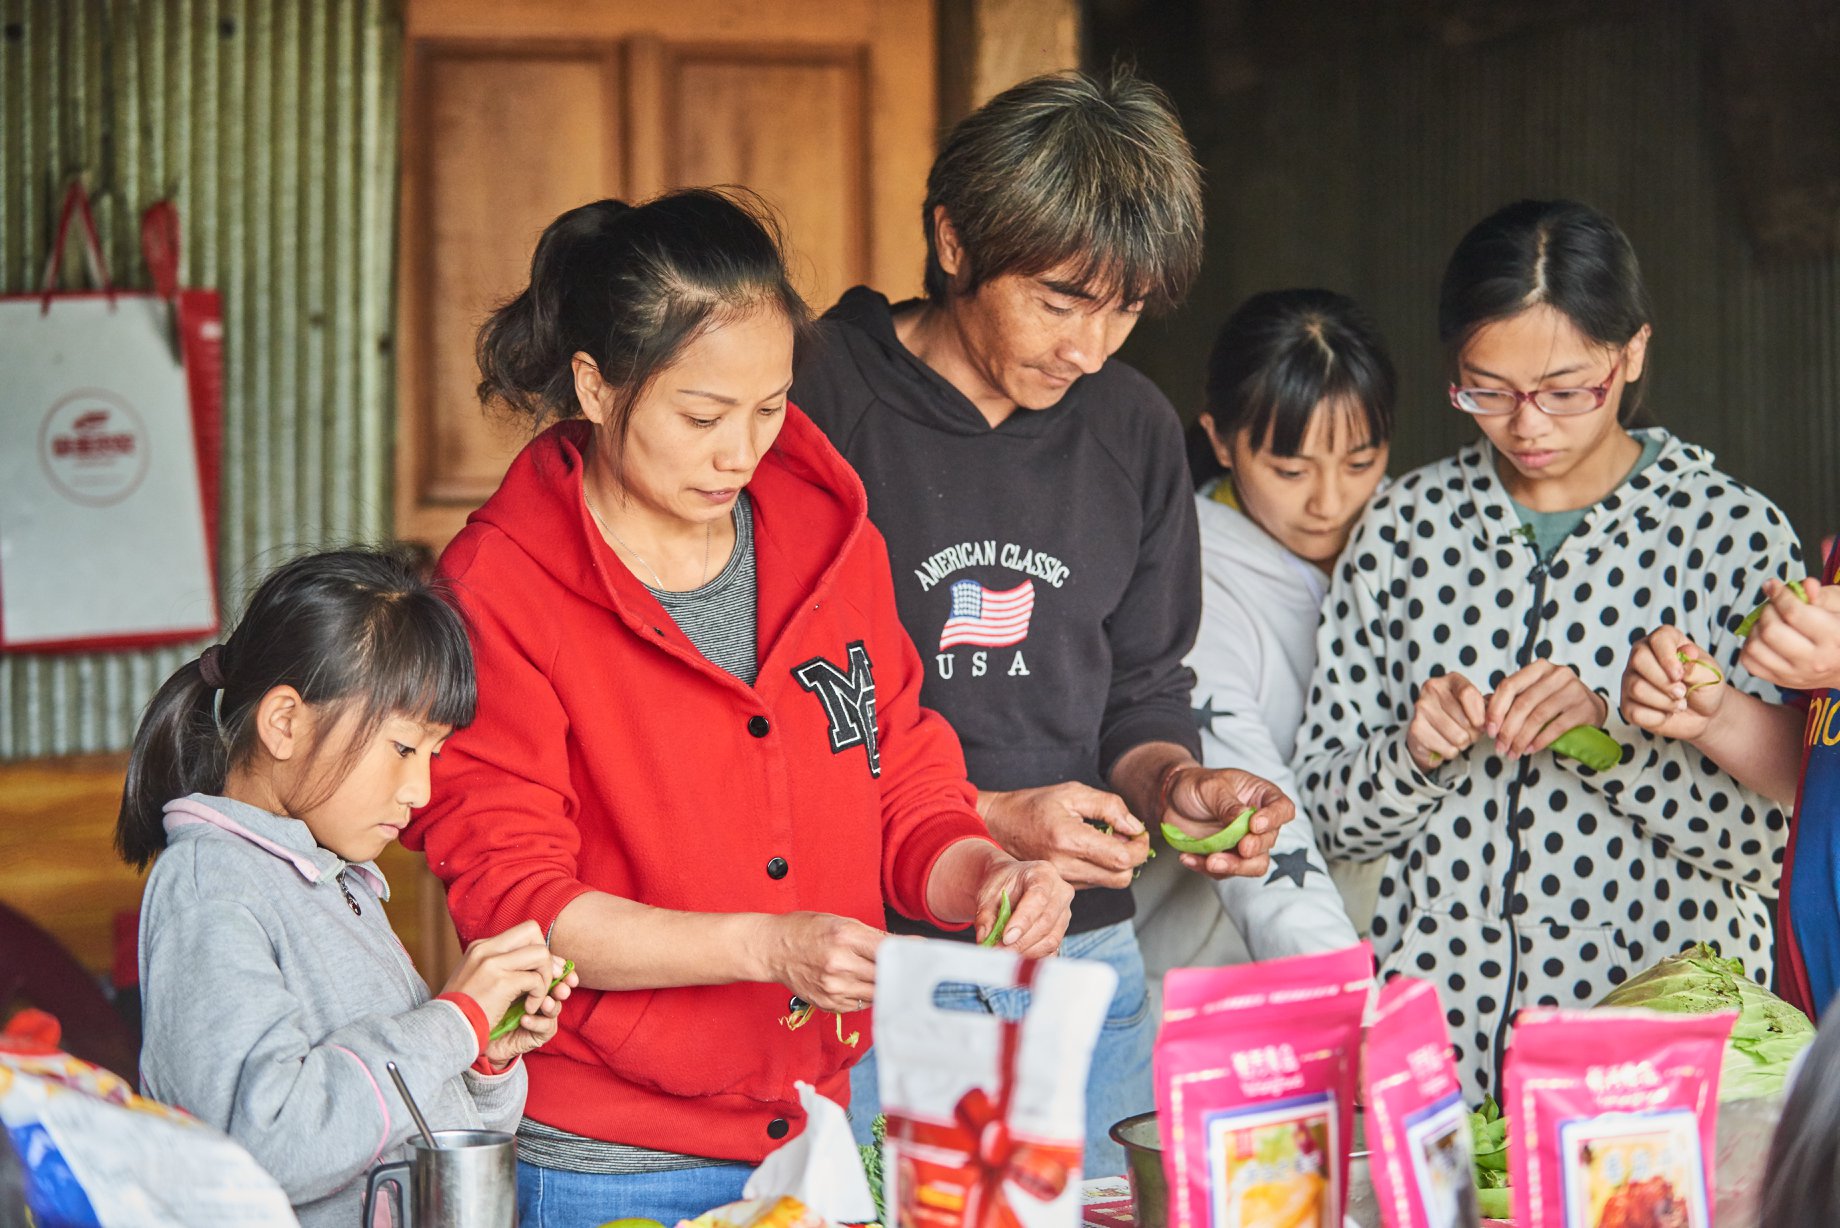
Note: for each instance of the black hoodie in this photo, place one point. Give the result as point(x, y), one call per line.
point(1048, 570)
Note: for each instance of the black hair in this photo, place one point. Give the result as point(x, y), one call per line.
point(1071, 169)
point(1279, 357)
point(631, 286)
point(1801, 1183)
point(351, 630)
point(1558, 252)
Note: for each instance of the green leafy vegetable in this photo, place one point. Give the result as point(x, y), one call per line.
point(515, 1015)
point(1764, 1041)
point(1222, 840)
point(872, 1164)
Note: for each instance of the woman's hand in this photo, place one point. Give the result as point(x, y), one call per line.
point(540, 1021)
point(1537, 704)
point(1796, 644)
point(1204, 800)
point(1446, 722)
point(827, 960)
point(497, 971)
point(1663, 694)
point(1041, 905)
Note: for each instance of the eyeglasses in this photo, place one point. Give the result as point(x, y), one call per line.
point(1559, 402)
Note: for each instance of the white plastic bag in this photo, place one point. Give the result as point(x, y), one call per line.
point(821, 1167)
point(986, 1116)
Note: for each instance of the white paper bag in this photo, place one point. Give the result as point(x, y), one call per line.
point(102, 519)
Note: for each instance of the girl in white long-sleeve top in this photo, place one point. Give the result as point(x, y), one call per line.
point(1291, 446)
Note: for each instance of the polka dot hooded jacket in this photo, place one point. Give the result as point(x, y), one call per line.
point(1541, 881)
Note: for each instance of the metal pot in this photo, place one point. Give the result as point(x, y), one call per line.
point(1143, 1153)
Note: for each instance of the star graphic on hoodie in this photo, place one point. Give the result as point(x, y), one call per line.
point(1292, 864)
point(1205, 714)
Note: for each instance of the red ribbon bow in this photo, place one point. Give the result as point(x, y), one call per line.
point(993, 1159)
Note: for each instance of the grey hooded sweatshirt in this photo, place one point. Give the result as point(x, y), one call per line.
point(271, 1002)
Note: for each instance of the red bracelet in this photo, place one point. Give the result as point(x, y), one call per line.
point(1169, 787)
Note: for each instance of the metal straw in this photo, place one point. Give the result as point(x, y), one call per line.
point(421, 1123)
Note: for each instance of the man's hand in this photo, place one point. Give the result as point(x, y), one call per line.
point(1054, 824)
point(1201, 801)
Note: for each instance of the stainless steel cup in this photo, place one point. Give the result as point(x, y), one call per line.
point(469, 1181)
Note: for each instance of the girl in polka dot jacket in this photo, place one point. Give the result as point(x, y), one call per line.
point(1487, 604)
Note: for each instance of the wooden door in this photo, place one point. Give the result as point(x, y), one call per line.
point(515, 110)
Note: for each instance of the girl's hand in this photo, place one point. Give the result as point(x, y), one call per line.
point(1446, 722)
point(1537, 704)
point(1041, 905)
point(827, 960)
point(1796, 644)
point(1666, 696)
point(539, 1022)
point(497, 971)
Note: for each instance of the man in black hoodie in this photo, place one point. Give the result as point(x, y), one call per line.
point(1039, 514)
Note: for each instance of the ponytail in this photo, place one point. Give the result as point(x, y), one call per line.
point(353, 630)
point(524, 349)
point(178, 749)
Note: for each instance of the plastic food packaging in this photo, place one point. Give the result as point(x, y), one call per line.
point(986, 1114)
point(1255, 1079)
point(1417, 1123)
point(95, 1155)
point(1615, 1115)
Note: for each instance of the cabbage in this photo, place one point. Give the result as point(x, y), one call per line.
point(1764, 1041)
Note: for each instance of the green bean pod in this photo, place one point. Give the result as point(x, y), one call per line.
point(996, 931)
point(1221, 841)
point(516, 1014)
point(1590, 746)
point(1750, 620)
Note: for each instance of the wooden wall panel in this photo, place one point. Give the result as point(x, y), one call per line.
point(58, 864)
point(515, 110)
point(809, 164)
point(506, 138)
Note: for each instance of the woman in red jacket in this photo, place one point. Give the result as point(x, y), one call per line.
point(700, 761)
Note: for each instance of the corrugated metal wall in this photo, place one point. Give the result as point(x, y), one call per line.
point(273, 124)
point(1359, 166)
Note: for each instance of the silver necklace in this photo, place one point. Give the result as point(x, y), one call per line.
point(606, 528)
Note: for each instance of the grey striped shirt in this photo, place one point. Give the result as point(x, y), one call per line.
point(719, 617)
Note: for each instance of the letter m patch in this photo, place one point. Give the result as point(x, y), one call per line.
point(849, 701)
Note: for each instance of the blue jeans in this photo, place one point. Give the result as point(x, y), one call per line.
point(1119, 1084)
point(552, 1198)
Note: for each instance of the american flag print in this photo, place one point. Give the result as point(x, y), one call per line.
point(988, 619)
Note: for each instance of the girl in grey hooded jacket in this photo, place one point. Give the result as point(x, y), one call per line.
point(266, 776)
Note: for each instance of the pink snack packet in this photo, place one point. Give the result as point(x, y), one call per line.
point(1615, 1113)
point(1255, 1080)
point(1417, 1122)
